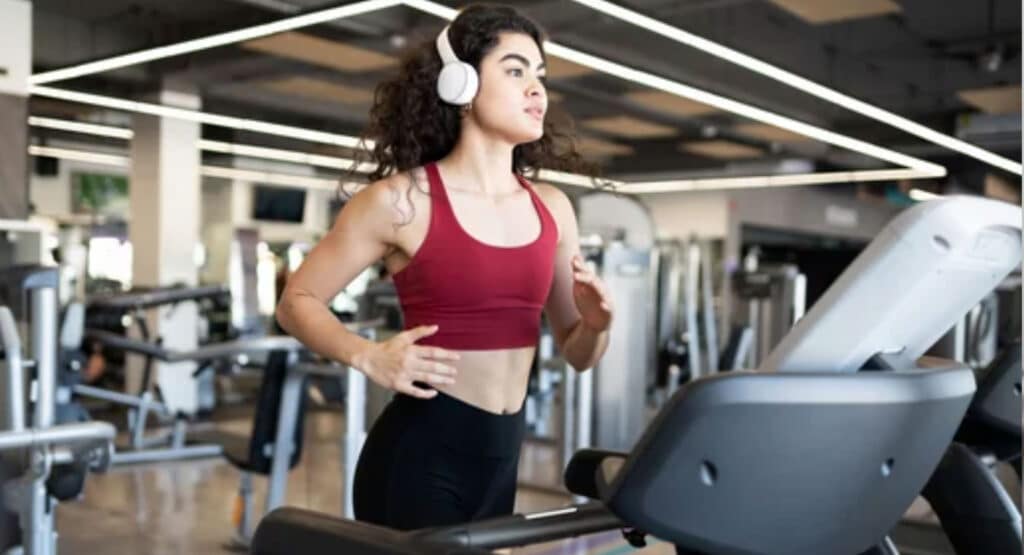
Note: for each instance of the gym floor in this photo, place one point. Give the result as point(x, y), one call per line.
point(185, 508)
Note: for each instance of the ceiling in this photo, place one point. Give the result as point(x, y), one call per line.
point(938, 62)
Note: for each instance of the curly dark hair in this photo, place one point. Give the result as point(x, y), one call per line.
point(410, 125)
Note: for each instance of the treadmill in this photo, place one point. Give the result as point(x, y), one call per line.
point(807, 455)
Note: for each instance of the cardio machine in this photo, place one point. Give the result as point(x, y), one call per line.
point(808, 455)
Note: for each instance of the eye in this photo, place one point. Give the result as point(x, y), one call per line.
point(515, 72)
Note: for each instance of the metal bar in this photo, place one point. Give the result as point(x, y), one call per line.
point(121, 398)
point(355, 426)
point(707, 300)
point(215, 351)
point(690, 299)
point(161, 455)
point(38, 517)
point(584, 409)
point(355, 432)
point(568, 443)
point(44, 350)
point(61, 434)
point(284, 439)
point(14, 379)
point(799, 298)
point(117, 341)
point(152, 298)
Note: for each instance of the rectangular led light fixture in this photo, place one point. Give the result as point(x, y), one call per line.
point(801, 83)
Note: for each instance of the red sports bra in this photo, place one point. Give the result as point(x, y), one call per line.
point(480, 296)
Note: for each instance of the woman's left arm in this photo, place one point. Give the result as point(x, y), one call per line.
point(579, 306)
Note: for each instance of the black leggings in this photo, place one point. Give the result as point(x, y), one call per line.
point(437, 462)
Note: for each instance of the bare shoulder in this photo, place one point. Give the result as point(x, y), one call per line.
point(391, 199)
point(557, 202)
point(553, 197)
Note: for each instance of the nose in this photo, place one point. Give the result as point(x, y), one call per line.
point(535, 89)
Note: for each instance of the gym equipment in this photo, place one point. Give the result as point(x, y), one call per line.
point(111, 311)
point(939, 258)
point(686, 486)
point(687, 331)
point(617, 237)
point(775, 296)
point(275, 443)
point(830, 493)
point(558, 406)
point(973, 507)
point(40, 462)
point(22, 243)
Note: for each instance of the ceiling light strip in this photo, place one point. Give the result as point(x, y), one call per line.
point(212, 41)
point(801, 83)
point(702, 184)
point(79, 155)
point(557, 50)
point(200, 117)
point(277, 154)
point(762, 181)
point(288, 180)
point(921, 195)
point(924, 169)
point(711, 99)
point(81, 127)
point(285, 179)
point(297, 157)
point(745, 110)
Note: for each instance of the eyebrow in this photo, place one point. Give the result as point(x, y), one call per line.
point(521, 60)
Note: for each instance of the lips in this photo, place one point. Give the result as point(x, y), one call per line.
point(536, 113)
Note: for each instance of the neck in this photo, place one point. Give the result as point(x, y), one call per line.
point(480, 162)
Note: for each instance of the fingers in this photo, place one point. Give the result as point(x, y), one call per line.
point(436, 353)
point(417, 333)
point(413, 391)
point(431, 378)
point(595, 283)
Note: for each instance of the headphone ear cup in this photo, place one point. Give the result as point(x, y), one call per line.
point(458, 83)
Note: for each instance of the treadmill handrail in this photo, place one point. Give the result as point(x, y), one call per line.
point(525, 529)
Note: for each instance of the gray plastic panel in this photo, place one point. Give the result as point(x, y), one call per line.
point(746, 463)
point(998, 401)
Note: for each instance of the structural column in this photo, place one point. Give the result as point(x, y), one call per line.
point(15, 67)
point(164, 232)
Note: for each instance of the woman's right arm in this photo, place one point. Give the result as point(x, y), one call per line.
point(362, 233)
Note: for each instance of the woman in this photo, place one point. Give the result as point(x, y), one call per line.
point(476, 253)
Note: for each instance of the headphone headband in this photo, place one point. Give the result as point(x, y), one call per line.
point(444, 47)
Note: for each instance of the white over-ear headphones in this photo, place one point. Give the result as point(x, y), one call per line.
point(458, 82)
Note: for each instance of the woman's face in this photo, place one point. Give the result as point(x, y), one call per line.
point(512, 100)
